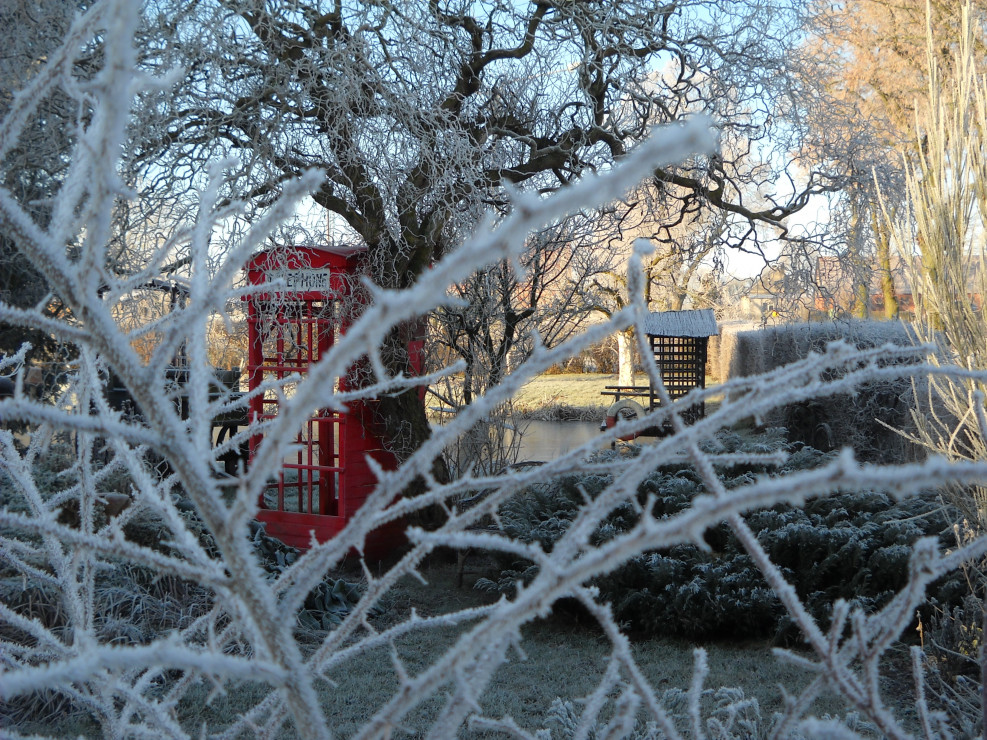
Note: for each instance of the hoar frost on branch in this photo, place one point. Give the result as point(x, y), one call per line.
point(423, 116)
point(246, 626)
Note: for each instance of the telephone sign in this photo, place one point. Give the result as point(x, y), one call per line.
point(305, 279)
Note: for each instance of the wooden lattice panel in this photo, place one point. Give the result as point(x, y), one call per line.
point(683, 365)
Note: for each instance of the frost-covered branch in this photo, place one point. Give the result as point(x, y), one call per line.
point(243, 621)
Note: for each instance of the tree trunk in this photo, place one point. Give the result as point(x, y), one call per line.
point(400, 418)
point(859, 269)
point(861, 298)
point(406, 428)
point(625, 357)
point(883, 241)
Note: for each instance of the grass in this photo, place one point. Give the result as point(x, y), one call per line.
point(559, 657)
point(571, 397)
point(580, 390)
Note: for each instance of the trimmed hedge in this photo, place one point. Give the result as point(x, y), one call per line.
point(866, 421)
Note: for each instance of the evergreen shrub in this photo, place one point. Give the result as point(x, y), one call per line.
point(853, 546)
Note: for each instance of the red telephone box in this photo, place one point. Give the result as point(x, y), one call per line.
point(327, 478)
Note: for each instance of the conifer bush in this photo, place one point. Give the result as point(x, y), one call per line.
point(853, 546)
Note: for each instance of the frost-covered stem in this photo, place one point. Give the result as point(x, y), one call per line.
point(621, 649)
point(795, 709)
point(506, 725)
point(837, 669)
point(248, 629)
point(699, 672)
point(781, 587)
point(594, 704)
point(918, 676)
point(625, 358)
point(865, 696)
point(200, 420)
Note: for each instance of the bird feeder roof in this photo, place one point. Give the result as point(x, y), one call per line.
point(695, 323)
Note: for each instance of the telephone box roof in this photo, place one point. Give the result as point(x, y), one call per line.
point(695, 323)
point(339, 250)
point(344, 250)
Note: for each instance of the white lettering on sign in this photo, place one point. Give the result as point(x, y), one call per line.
point(305, 280)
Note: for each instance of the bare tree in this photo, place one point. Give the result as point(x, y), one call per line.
point(34, 166)
point(686, 246)
point(502, 313)
point(873, 56)
point(423, 116)
point(869, 59)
